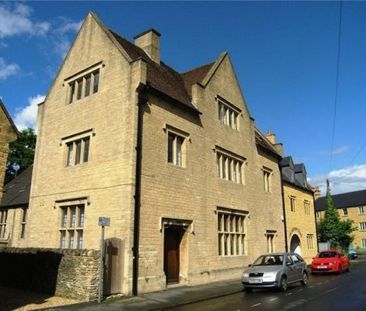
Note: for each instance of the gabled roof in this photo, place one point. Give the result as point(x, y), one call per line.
point(16, 192)
point(163, 78)
point(264, 143)
point(2, 106)
point(343, 200)
point(295, 174)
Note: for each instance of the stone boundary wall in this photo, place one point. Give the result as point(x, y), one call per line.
point(67, 273)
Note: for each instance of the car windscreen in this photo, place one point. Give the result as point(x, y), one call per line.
point(327, 254)
point(269, 260)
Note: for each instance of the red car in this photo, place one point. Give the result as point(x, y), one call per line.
point(330, 261)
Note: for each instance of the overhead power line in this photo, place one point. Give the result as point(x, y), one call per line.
point(337, 85)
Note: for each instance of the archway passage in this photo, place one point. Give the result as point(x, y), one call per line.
point(295, 245)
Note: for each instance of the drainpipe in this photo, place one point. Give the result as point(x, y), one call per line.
point(316, 225)
point(283, 208)
point(142, 100)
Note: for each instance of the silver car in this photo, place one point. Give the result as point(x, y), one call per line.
point(275, 270)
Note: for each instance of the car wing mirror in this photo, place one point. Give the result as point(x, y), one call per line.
point(250, 265)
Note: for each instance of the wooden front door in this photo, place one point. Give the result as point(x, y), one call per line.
point(172, 238)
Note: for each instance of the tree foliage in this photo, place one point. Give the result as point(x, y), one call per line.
point(332, 229)
point(21, 153)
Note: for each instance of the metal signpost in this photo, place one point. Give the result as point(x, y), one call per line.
point(103, 222)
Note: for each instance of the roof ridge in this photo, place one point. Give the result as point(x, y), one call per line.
point(198, 67)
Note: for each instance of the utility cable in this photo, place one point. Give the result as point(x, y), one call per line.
point(337, 85)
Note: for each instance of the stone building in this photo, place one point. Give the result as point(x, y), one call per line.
point(8, 133)
point(15, 203)
point(299, 209)
point(350, 205)
point(192, 188)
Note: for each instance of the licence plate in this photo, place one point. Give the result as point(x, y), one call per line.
point(255, 281)
point(322, 267)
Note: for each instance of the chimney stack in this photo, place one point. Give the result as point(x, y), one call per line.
point(317, 193)
point(271, 137)
point(149, 41)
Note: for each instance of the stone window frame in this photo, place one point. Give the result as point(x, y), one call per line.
point(267, 179)
point(270, 238)
point(363, 243)
point(176, 133)
point(345, 211)
point(72, 229)
point(310, 241)
point(74, 155)
point(362, 226)
point(3, 223)
point(23, 222)
point(307, 207)
point(292, 203)
point(228, 114)
point(361, 210)
point(230, 166)
point(231, 232)
point(78, 82)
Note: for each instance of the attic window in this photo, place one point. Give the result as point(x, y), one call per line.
point(84, 86)
point(228, 114)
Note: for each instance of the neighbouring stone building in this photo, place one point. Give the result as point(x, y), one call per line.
point(192, 188)
point(15, 203)
point(8, 133)
point(350, 205)
point(299, 209)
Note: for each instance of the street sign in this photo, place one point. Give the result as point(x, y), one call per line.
point(104, 221)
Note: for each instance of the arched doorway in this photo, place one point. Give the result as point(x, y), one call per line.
point(295, 245)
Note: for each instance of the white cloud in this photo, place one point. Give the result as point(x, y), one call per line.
point(26, 117)
point(15, 20)
point(61, 37)
point(339, 150)
point(71, 26)
point(348, 179)
point(7, 70)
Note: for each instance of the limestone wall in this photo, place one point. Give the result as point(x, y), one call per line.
point(66, 273)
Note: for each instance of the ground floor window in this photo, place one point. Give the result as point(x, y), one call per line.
point(23, 223)
point(310, 241)
point(231, 233)
point(72, 226)
point(3, 219)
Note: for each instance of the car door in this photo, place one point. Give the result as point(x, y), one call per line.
point(297, 267)
point(290, 269)
point(344, 261)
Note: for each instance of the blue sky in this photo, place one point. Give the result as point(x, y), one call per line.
point(284, 53)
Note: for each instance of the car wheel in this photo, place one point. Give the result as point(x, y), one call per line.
point(305, 279)
point(248, 290)
point(283, 284)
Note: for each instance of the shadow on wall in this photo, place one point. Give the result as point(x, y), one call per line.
point(31, 271)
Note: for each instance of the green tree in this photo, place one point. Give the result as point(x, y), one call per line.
point(21, 153)
point(332, 229)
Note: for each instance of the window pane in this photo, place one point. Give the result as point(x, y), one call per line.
point(170, 147)
point(22, 232)
point(224, 163)
point(69, 153)
point(78, 152)
point(62, 239)
point(24, 219)
point(81, 216)
point(72, 92)
point(80, 88)
point(80, 239)
point(87, 85)
point(73, 217)
point(86, 149)
point(229, 169)
point(179, 140)
point(71, 239)
point(96, 81)
point(63, 217)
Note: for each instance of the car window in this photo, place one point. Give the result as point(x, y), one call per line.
point(294, 258)
point(299, 257)
point(269, 260)
point(327, 254)
point(288, 260)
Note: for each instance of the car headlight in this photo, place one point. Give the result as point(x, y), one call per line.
point(245, 275)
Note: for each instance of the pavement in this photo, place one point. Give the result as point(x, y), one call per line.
point(164, 300)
